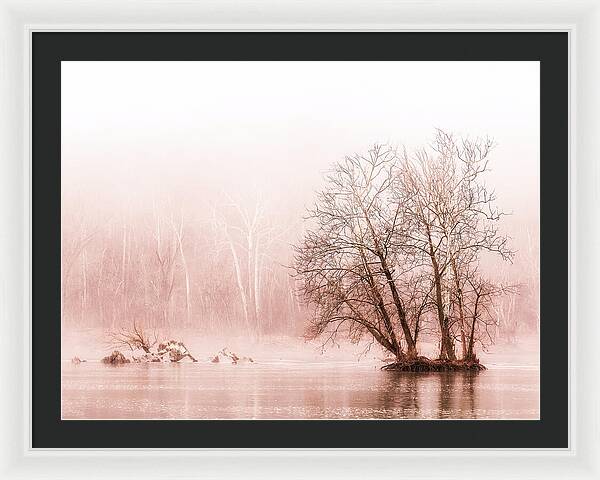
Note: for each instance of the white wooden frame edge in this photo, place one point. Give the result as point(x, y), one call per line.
point(19, 19)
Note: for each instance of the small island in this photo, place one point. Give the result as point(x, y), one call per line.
point(394, 246)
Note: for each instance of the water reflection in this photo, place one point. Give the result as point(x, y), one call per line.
point(294, 391)
point(457, 394)
point(400, 391)
point(443, 394)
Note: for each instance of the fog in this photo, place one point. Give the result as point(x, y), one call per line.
point(274, 127)
point(181, 160)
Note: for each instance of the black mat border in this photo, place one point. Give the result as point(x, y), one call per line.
point(49, 48)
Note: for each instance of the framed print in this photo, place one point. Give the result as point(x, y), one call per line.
point(226, 262)
point(334, 248)
point(190, 291)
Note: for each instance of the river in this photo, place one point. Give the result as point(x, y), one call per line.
point(294, 390)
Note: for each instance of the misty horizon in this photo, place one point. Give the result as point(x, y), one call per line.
point(186, 188)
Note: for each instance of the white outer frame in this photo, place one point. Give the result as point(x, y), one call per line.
point(19, 17)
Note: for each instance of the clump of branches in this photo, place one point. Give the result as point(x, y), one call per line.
point(134, 338)
point(394, 245)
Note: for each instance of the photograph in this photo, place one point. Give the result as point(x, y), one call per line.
point(300, 240)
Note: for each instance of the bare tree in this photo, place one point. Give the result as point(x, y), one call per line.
point(346, 265)
point(133, 338)
point(248, 236)
point(394, 237)
point(178, 231)
point(532, 262)
point(165, 254)
point(480, 295)
point(451, 217)
point(73, 245)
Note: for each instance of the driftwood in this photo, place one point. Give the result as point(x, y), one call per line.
point(136, 338)
point(230, 357)
point(171, 351)
point(175, 351)
point(76, 360)
point(147, 358)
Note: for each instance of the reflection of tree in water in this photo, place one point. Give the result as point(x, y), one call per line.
point(447, 381)
point(399, 397)
point(468, 393)
point(457, 394)
point(414, 395)
point(427, 395)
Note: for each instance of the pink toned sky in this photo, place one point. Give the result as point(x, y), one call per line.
point(132, 128)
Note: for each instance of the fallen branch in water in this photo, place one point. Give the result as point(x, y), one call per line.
point(231, 357)
point(175, 351)
point(137, 339)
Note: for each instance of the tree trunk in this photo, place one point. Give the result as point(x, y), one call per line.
point(393, 348)
point(257, 279)
point(84, 282)
point(446, 344)
point(123, 269)
point(470, 350)
point(240, 284)
point(410, 343)
point(188, 305)
point(380, 305)
point(411, 347)
point(461, 314)
point(251, 285)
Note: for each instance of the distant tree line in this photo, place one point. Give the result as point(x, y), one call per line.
point(159, 268)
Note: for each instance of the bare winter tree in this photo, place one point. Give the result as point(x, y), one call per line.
point(451, 218)
point(73, 247)
point(178, 232)
point(133, 338)
point(346, 265)
point(479, 298)
point(249, 237)
point(395, 236)
point(166, 249)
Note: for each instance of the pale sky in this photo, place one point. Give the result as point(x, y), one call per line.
point(131, 127)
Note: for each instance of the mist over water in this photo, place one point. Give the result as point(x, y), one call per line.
point(292, 378)
point(184, 187)
point(296, 390)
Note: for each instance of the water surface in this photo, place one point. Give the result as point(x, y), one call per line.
point(294, 390)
